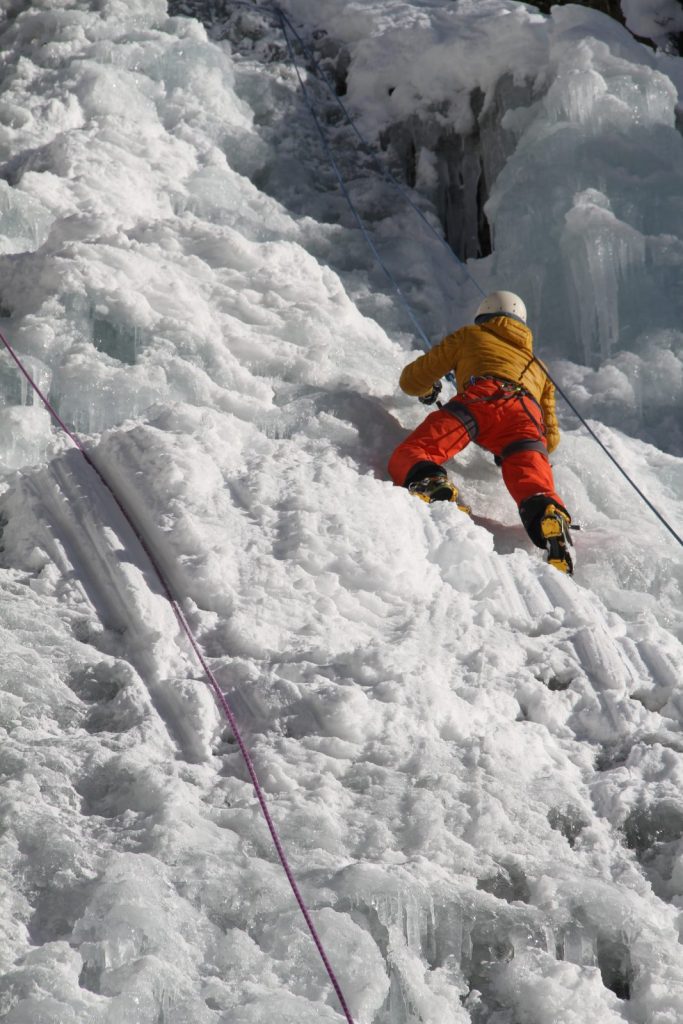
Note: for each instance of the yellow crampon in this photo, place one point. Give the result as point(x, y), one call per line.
point(555, 530)
point(438, 488)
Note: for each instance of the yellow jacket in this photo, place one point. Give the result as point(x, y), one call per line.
point(501, 347)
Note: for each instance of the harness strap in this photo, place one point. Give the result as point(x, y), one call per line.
point(460, 412)
point(525, 445)
point(504, 382)
point(509, 388)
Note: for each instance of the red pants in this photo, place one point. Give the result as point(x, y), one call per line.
point(494, 417)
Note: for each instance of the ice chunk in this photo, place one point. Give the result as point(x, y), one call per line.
point(24, 222)
point(24, 423)
point(603, 257)
point(24, 436)
point(637, 392)
point(592, 190)
point(91, 396)
point(116, 339)
point(104, 91)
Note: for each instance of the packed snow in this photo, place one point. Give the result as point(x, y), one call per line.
point(475, 763)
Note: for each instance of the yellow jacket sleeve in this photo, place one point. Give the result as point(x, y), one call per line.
point(419, 376)
point(550, 416)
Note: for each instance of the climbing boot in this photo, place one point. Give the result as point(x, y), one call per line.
point(555, 530)
point(437, 488)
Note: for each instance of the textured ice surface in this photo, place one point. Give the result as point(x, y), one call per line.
point(474, 762)
point(569, 130)
point(659, 20)
point(24, 223)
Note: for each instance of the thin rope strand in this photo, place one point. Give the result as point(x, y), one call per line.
point(285, 21)
point(345, 192)
point(280, 15)
point(609, 455)
point(378, 162)
point(211, 678)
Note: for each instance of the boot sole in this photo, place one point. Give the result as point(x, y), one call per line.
point(556, 535)
point(443, 494)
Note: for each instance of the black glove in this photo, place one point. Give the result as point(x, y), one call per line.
point(433, 394)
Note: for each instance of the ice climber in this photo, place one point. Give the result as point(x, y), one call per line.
point(505, 403)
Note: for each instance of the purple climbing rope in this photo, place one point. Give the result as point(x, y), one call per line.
point(211, 678)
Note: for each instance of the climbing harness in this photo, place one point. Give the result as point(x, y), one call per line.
point(523, 445)
point(507, 390)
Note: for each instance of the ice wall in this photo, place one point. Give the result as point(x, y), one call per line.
point(560, 151)
point(592, 191)
point(475, 763)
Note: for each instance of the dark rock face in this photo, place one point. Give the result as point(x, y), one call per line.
point(464, 165)
point(613, 9)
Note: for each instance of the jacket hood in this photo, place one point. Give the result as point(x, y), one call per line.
point(510, 330)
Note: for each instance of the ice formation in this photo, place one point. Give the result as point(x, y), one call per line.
point(567, 139)
point(659, 20)
point(475, 763)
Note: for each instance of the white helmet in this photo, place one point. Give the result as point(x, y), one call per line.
point(502, 304)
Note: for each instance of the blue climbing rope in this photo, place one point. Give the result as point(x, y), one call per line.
point(347, 196)
point(378, 163)
point(609, 455)
point(278, 14)
point(285, 23)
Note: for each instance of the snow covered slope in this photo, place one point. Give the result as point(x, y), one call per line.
point(475, 763)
